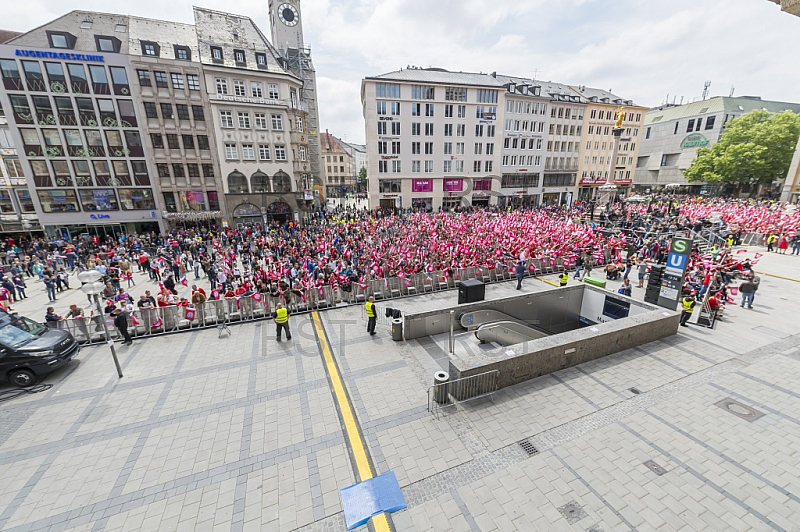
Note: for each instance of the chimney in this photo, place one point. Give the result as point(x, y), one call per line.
point(494, 74)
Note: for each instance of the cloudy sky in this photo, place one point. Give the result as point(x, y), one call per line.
point(641, 49)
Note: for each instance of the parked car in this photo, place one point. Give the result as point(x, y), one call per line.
point(30, 350)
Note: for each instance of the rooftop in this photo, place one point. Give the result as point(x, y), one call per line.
point(717, 104)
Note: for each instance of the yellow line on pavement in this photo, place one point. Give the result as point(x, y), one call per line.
point(365, 472)
point(780, 276)
point(548, 281)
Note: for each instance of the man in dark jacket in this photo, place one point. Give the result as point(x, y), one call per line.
point(519, 271)
point(121, 323)
point(169, 284)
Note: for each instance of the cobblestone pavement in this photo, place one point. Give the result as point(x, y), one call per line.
point(242, 433)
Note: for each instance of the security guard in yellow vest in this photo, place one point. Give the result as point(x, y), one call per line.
point(371, 316)
point(282, 322)
point(687, 307)
point(771, 239)
point(562, 281)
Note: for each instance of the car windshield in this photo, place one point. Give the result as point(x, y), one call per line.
point(19, 332)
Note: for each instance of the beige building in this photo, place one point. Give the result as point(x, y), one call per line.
point(338, 166)
point(597, 141)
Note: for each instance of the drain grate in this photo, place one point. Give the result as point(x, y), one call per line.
point(635, 391)
point(528, 447)
point(739, 409)
point(655, 468)
point(573, 512)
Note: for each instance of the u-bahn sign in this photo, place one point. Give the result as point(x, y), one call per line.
point(672, 281)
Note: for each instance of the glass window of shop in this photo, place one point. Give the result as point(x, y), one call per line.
point(193, 200)
point(213, 201)
point(58, 201)
point(169, 202)
point(136, 199)
point(98, 199)
point(25, 201)
point(422, 203)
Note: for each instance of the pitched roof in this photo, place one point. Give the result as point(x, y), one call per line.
point(7, 35)
point(438, 75)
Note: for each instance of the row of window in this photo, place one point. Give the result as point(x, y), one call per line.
point(45, 113)
point(622, 147)
point(526, 108)
point(417, 148)
point(57, 80)
point(561, 163)
point(85, 143)
point(63, 40)
point(192, 170)
point(261, 183)
point(82, 173)
point(240, 89)
point(693, 125)
point(523, 125)
point(520, 160)
point(620, 160)
point(259, 120)
point(607, 131)
point(484, 112)
point(162, 81)
point(395, 186)
point(239, 57)
point(599, 114)
point(522, 143)
point(188, 141)
point(248, 152)
point(192, 200)
point(99, 199)
point(416, 129)
point(622, 174)
point(25, 201)
point(181, 111)
point(576, 113)
point(562, 146)
point(427, 92)
point(448, 166)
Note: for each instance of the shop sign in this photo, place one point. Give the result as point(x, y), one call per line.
point(695, 140)
point(59, 55)
point(244, 99)
point(99, 216)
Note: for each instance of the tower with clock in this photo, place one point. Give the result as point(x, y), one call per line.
point(286, 24)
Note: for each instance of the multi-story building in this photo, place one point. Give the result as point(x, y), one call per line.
point(338, 166)
point(672, 134)
point(563, 143)
point(358, 152)
point(597, 141)
point(124, 122)
point(17, 213)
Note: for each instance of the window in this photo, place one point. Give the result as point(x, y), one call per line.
point(299, 124)
point(395, 167)
point(490, 131)
point(664, 160)
point(163, 170)
point(448, 111)
point(421, 92)
point(462, 111)
point(261, 59)
point(459, 148)
point(381, 107)
point(383, 148)
point(172, 141)
point(395, 148)
point(208, 170)
point(197, 113)
point(193, 81)
point(238, 56)
point(415, 147)
point(428, 109)
point(244, 120)
point(690, 126)
point(161, 79)
point(710, 122)
point(387, 90)
point(58, 201)
point(389, 186)
point(231, 151)
point(428, 167)
point(177, 81)
point(280, 153)
point(157, 139)
point(479, 130)
point(455, 94)
point(416, 109)
point(226, 118)
point(177, 170)
point(699, 124)
point(150, 49)
point(183, 53)
point(256, 89)
point(429, 129)
point(150, 110)
point(188, 142)
point(461, 130)
point(488, 169)
point(448, 130)
point(478, 148)
point(395, 107)
point(429, 148)
point(277, 122)
point(415, 167)
point(647, 133)
point(263, 152)
point(99, 199)
point(261, 120)
point(395, 128)
point(107, 44)
point(183, 111)
point(193, 169)
point(487, 96)
point(216, 54)
point(202, 142)
point(272, 90)
point(238, 88)
point(166, 111)
point(60, 40)
point(144, 78)
point(415, 128)
point(222, 85)
point(248, 152)
point(476, 166)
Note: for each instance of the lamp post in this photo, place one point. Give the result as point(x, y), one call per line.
point(92, 286)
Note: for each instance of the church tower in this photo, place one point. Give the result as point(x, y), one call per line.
point(286, 24)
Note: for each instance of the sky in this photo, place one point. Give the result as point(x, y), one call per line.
point(644, 50)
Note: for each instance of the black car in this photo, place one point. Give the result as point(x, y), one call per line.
point(30, 350)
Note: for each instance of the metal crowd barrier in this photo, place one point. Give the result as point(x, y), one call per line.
point(460, 390)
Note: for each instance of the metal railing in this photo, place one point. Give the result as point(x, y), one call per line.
point(460, 390)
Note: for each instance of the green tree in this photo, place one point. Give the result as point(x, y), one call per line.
point(754, 149)
point(362, 179)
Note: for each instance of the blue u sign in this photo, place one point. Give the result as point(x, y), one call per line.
point(99, 216)
point(676, 261)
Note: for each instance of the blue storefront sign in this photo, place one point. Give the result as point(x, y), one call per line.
point(60, 55)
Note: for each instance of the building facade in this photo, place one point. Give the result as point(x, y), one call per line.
point(17, 212)
point(672, 134)
point(597, 142)
point(338, 166)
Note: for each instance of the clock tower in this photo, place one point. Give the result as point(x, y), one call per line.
point(286, 23)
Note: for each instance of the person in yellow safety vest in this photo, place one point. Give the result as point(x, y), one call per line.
point(771, 239)
point(687, 307)
point(730, 241)
point(562, 281)
point(282, 322)
point(371, 316)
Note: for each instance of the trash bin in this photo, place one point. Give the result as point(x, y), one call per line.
point(440, 379)
point(397, 329)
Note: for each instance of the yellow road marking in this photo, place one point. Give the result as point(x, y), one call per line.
point(780, 276)
point(548, 281)
point(365, 472)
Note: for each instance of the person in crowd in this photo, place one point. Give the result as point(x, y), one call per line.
point(121, 323)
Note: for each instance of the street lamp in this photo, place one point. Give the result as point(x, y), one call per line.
point(91, 286)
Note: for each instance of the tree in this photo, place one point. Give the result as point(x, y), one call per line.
point(362, 179)
point(754, 149)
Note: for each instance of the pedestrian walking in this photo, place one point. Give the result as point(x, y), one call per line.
point(578, 266)
point(282, 322)
point(50, 286)
point(121, 323)
point(371, 315)
point(519, 271)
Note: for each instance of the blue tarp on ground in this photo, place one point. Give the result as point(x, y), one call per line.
point(367, 499)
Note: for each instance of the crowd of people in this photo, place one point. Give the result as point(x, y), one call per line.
point(344, 247)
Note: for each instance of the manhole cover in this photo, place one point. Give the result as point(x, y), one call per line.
point(528, 447)
point(573, 512)
point(655, 468)
point(739, 409)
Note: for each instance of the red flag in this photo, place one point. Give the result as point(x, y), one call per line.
point(184, 282)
